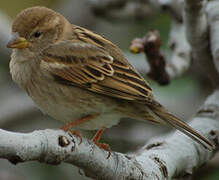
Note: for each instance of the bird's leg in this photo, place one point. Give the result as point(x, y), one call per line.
point(96, 140)
point(77, 122)
point(74, 123)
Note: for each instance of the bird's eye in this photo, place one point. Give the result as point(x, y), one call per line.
point(37, 34)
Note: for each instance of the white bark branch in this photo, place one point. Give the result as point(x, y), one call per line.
point(181, 52)
point(198, 37)
point(162, 158)
point(213, 20)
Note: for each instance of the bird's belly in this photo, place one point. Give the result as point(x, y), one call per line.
point(68, 113)
point(106, 120)
point(69, 104)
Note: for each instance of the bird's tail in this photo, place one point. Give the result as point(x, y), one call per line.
point(162, 114)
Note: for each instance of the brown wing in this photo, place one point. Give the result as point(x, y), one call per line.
point(91, 67)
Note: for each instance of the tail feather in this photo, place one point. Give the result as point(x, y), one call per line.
point(170, 119)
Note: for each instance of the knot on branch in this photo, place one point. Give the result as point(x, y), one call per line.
point(162, 166)
point(58, 148)
point(63, 141)
point(154, 145)
point(215, 137)
point(209, 110)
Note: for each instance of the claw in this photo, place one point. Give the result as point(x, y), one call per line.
point(77, 133)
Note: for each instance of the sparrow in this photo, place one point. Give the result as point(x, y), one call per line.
point(80, 78)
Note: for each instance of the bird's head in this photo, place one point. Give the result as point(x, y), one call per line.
point(37, 27)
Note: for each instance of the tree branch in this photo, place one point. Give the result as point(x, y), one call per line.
point(163, 158)
point(180, 59)
point(213, 21)
point(159, 159)
point(161, 70)
point(198, 37)
point(150, 45)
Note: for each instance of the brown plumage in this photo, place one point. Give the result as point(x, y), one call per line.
point(72, 73)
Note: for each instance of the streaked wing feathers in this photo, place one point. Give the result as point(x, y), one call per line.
point(93, 68)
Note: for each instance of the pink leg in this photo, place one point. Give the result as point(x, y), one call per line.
point(72, 124)
point(96, 140)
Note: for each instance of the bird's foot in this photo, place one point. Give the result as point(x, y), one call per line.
point(74, 132)
point(104, 146)
point(67, 127)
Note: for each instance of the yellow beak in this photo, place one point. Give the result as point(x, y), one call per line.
point(16, 41)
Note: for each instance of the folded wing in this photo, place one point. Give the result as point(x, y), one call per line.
point(91, 67)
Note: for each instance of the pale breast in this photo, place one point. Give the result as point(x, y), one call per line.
point(64, 103)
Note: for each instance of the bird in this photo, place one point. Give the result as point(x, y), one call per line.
point(81, 78)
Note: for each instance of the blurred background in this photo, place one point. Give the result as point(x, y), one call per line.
point(183, 96)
